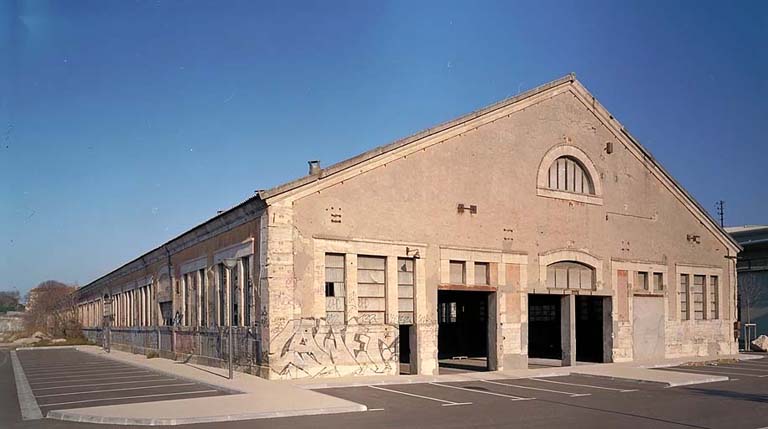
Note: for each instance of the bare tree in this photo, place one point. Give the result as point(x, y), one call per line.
point(52, 309)
point(751, 290)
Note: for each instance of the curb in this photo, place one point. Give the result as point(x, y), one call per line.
point(27, 402)
point(84, 418)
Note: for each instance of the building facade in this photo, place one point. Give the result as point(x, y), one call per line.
point(534, 228)
point(752, 270)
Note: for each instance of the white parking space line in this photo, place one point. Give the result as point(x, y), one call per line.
point(60, 367)
point(69, 386)
point(571, 394)
point(111, 378)
point(81, 371)
point(66, 377)
point(127, 397)
point(586, 385)
point(96, 371)
point(85, 392)
point(443, 401)
point(514, 398)
point(718, 372)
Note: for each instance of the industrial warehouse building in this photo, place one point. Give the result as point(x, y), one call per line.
point(535, 228)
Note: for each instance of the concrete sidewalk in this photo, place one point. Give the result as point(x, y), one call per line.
point(634, 371)
point(258, 398)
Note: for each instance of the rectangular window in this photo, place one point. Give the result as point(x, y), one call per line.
point(235, 288)
point(697, 293)
point(683, 292)
point(457, 273)
point(248, 282)
point(405, 284)
point(642, 280)
point(481, 273)
point(335, 293)
point(222, 295)
point(371, 288)
point(203, 299)
point(714, 298)
point(658, 282)
point(186, 297)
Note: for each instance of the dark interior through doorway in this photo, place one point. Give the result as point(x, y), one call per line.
point(544, 334)
point(462, 341)
point(589, 329)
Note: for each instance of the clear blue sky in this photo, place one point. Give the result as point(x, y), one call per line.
point(126, 123)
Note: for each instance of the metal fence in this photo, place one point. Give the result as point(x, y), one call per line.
point(209, 345)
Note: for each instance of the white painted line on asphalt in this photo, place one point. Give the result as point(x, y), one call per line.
point(128, 397)
point(81, 371)
point(77, 368)
point(69, 386)
point(571, 394)
point(97, 371)
point(702, 372)
point(586, 385)
point(111, 378)
point(65, 367)
point(445, 403)
point(376, 409)
point(64, 377)
point(85, 392)
point(514, 398)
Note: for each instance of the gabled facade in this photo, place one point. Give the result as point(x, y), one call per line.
point(536, 228)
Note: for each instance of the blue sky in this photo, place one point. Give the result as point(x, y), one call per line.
point(126, 123)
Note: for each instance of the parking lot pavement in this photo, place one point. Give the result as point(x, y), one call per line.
point(67, 378)
point(753, 368)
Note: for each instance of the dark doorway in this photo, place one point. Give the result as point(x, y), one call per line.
point(463, 324)
point(405, 343)
point(544, 327)
point(589, 329)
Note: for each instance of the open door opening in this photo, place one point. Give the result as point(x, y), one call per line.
point(544, 330)
point(462, 331)
point(405, 349)
point(589, 329)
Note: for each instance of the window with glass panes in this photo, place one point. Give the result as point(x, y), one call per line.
point(203, 298)
point(642, 280)
point(697, 296)
point(335, 293)
point(248, 282)
point(234, 289)
point(658, 282)
point(683, 293)
point(187, 299)
point(371, 288)
point(222, 295)
point(405, 283)
point(714, 298)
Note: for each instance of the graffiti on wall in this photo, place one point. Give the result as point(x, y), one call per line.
point(311, 347)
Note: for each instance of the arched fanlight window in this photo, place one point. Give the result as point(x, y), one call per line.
point(567, 174)
point(570, 275)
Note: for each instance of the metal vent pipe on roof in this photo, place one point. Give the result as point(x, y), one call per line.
point(314, 167)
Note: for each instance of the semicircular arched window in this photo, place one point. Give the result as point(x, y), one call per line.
point(569, 175)
point(570, 275)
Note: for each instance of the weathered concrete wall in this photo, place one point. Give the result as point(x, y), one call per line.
point(9, 324)
point(413, 199)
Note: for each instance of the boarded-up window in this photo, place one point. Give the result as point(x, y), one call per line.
point(570, 275)
point(334, 288)
point(405, 284)
point(371, 288)
point(567, 174)
point(697, 293)
point(714, 298)
point(642, 280)
point(658, 282)
point(457, 272)
point(481, 273)
point(683, 292)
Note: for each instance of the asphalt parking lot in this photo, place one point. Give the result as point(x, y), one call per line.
point(67, 378)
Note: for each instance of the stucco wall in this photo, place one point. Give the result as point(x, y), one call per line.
point(414, 199)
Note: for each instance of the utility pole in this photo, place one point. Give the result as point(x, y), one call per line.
point(720, 205)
